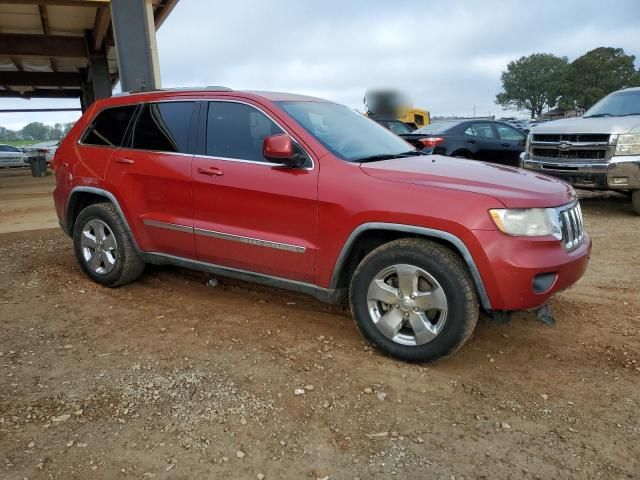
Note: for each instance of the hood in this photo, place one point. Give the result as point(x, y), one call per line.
point(591, 125)
point(513, 187)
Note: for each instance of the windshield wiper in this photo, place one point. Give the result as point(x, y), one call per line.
point(599, 115)
point(387, 156)
point(628, 114)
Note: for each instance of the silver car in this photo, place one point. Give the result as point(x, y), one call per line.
point(11, 156)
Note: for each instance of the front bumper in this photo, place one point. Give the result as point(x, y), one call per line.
point(521, 273)
point(618, 173)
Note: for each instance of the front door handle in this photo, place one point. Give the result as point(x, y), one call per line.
point(211, 171)
point(471, 141)
point(506, 145)
point(126, 161)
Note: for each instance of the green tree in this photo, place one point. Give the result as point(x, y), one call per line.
point(532, 83)
point(35, 131)
point(595, 74)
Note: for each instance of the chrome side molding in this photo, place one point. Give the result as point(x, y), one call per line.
point(250, 240)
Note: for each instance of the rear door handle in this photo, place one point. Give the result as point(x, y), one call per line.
point(126, 161)
point(211, 171)
point(506, 145)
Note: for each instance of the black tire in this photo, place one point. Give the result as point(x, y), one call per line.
point(447, 268)
point(128, 265)
point(635, 201)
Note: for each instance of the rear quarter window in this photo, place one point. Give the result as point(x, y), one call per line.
point(163, 127)
point(109, 127)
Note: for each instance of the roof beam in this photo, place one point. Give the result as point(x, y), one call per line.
point(163, 11)
point(101, 27)
point(62, 3)
point(44, 19)
point(40, 94)
point(67, 3)
point(19, 44)
point(40, 79)
point(17, 62)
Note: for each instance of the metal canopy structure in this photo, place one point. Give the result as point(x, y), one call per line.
point(67, 48)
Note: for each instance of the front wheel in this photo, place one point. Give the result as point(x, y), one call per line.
point(635, 201)
point(414, 300)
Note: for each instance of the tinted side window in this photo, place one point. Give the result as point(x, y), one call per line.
point(109, 127)
point(163, 127)
point(482, 130)
point(236, 130)
point(508, 133)
point(399, 128)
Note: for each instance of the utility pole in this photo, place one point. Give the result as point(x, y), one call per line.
point(474, 111)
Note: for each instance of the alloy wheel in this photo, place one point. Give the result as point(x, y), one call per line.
point(99, 247)
point(407, 304)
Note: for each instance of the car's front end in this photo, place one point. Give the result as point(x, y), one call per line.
point(529, 243)
point(534, 254)
point(586, 160)
point(600, 150)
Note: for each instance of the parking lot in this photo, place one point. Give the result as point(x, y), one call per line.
point(172, 378)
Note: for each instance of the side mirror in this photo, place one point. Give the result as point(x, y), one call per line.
point(282, 150)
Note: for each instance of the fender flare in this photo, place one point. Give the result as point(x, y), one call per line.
point(109, 196)
point(422, 231)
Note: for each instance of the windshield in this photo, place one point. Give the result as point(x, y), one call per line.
point(438, 127)
point(617, 104)
point(346, 133)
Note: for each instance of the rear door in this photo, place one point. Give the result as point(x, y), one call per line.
point(482, 141)
point(152, 173)
point(251, 214)
point(512, 142)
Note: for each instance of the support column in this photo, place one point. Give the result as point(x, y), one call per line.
point(86, 90)
point(135, 36)
point(99, 72)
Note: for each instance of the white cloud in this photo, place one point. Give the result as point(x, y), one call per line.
point(447, 56)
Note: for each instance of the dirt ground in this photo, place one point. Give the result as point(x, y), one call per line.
point(171, 378)
point(25, 201)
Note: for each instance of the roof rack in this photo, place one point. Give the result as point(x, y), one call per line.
point(212, 88)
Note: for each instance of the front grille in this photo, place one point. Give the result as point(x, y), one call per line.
point(573, 137)
point(582, 154)
point(572, 226)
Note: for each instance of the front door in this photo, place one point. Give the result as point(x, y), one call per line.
point(512, 143)
point(251, 214)
point(153, 172)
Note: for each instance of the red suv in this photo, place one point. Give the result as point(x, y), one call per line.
point(305, 194)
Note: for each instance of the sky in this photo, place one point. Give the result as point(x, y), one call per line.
point(447, 56)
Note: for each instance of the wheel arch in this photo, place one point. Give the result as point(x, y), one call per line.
point(82, 197)
point(369, 236)
point(462, 152)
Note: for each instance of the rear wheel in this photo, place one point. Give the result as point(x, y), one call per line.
point(414, 300)
point(103, 246)
point(635, 201)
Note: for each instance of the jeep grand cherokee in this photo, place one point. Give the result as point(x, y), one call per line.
point(302, 193)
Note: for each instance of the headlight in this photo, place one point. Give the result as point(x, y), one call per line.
point(527, 143)
point(527, 222)
point(628, 144)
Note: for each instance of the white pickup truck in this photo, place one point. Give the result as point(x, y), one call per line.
point(600, 150)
